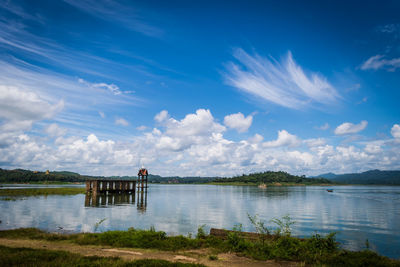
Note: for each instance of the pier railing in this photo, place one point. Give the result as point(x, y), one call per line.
point(110, 186)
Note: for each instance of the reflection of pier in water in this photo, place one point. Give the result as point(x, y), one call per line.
point(106, 193)
point(108, 200)
point(142, 201)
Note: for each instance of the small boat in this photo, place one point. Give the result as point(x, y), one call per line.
point(329, 190)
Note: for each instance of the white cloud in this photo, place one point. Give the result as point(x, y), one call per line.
point(284, 139)
point(121, 121)
point(323, 127)
point(389, 28)
point(193, 129)
point(162, 116)
point(238, 122)
point(54, 130)
point(283, 83)
point(395, 131)
point(379, 62)
point(114, 89)
point(116, 12)
point(194, 145)
point(24, 105)
point(315, 142)
point(20, 109)
point(257, 138)
point(350, 128)
point(141, 128)
point(373, 148)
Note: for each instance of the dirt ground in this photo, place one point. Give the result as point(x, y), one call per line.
point(191, 256)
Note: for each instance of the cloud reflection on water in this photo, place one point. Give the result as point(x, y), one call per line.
point(354, 212)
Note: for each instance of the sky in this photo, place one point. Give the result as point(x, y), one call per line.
point(200, 88)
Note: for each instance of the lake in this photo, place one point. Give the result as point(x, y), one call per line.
point(355, 213)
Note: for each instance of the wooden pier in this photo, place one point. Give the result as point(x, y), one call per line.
point(110, 186)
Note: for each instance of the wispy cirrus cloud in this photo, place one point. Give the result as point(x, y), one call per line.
point(284, 83)
point(12, 7)
point(393, 29)
point(323, 127)
point(380, 62)
point(121, 121)
point(113, 11)
point(114, 89)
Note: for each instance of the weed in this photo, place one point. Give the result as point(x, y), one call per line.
point(96, 225)
point(213, 257)
point(201, 234)
point(260, 227)
point(284, 225)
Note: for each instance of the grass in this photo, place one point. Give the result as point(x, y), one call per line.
point(41, 257)
point(12, 194)
point(316, 250)
point(43, 182)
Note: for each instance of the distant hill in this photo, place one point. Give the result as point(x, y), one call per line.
point(24, 176)
point(376, 177)
point(271, 177)
point(180, 180)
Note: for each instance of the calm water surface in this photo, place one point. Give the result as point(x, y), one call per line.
point(356, 213)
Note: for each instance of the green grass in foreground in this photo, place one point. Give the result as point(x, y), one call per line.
point(41, 257)
point(45, 182)
point(316, 250)
point(25, 192)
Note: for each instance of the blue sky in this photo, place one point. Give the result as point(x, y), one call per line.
point(205, 88)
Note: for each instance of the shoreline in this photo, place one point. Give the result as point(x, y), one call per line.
point(234, 248)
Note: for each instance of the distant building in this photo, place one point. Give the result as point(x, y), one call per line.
point(47, 172)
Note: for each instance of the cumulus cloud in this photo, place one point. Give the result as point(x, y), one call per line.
point(284, 139)
point(379, 62)
point(121, 121)
point(257, 138)
point(24, 105)
point(193, 129)
point(54, 130)
point(20, 109)
point(395, 131)
point(350, 128)
point(315, 142)
point(373, 148)
point(283, 83)
point(194, 145)
point(238, 122)
point(162, 116)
